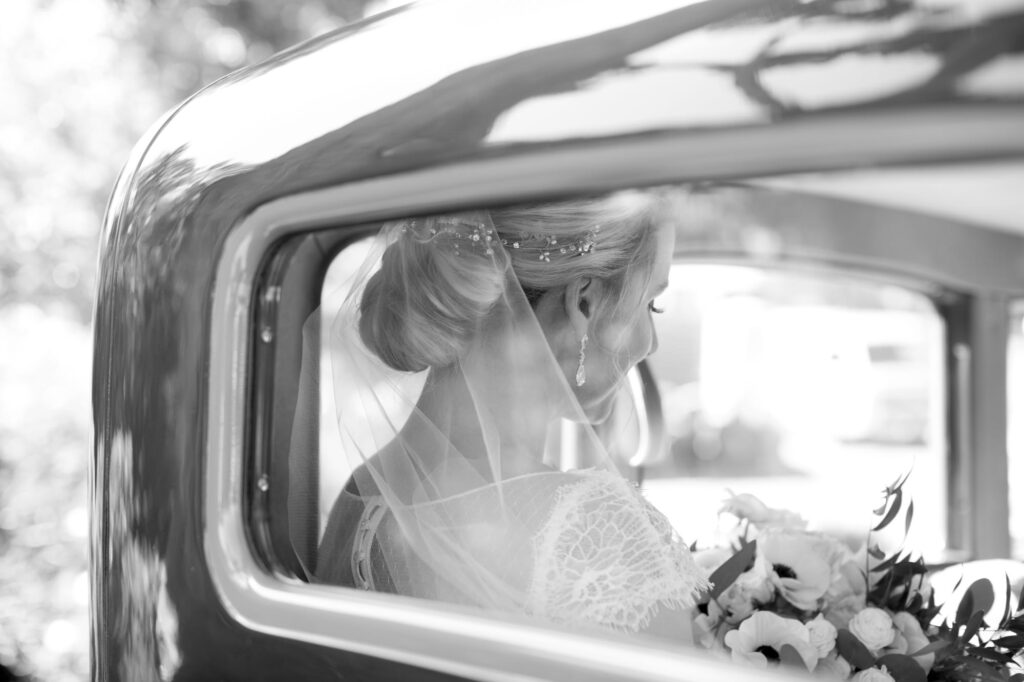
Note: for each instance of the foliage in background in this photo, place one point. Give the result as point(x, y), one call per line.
point(82, 81)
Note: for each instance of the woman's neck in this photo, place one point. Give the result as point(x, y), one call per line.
point(484, 421)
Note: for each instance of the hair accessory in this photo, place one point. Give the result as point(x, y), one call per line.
point(462, 232)
point(545, 245)
point(458, 230)
point(581, 372)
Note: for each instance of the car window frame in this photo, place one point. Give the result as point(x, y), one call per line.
point(440, 636)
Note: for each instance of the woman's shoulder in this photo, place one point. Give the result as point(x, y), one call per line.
point(589, 488)
point(587, 497)
point(603, 539)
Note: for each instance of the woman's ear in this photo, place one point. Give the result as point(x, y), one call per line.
point(580, 301)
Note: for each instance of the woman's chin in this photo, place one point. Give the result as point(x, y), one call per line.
point(599, 411)
point(596, 412)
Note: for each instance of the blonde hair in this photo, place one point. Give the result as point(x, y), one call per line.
point(426, 302)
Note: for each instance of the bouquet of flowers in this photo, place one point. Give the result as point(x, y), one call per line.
point(786, 595)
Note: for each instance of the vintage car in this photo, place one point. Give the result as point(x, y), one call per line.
point(846, 301)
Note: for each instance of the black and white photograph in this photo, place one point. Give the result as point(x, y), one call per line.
point(512, 340)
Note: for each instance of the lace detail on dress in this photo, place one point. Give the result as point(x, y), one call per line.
point(607, 557)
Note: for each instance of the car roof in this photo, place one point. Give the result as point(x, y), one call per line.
point(450, 81)
point(445, 79)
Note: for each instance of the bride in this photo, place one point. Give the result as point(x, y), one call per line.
point(465, 341)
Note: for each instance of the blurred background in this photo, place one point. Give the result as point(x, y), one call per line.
point(81, 81)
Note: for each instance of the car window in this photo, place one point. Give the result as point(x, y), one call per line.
point(1015, 431)
point(808, 390)
point(811, 347)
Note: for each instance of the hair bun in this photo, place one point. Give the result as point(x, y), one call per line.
point(426, 302)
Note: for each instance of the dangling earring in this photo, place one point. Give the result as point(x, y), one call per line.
point(581, 372)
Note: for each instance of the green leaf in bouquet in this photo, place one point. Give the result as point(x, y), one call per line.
point(726, 574)
point(897, 485)
point(973, 625)
point(929, 611)
point(979, 597)
point(887, 564)
point(876, 552)
point(984, 594)
point(853, 650)
point(888, 492)
point(1014, 627)
point(906, 569)
point(931, 648)
point(894, 509)
point(1014, 642)
point(789, 656)
point(1005, 618)
point(992, 656)
point(1018, 677)
point(964, 610)
point(977, 671)
point(909, 518)
point(903, 668)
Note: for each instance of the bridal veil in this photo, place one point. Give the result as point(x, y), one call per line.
point(465, 396)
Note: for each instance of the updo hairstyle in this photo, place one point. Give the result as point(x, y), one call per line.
point(423, 306)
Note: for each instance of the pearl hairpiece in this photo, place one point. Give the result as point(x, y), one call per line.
point(480, 235)
point(547, 244)
point(456, 229)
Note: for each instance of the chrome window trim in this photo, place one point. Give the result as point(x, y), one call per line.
point(438, 636)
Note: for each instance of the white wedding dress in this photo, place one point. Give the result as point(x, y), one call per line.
point(582, 549)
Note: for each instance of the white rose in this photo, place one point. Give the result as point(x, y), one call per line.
point(847, 580)
point(704, 631)
point(873, 627)
point(915, 638)
point(745, 506)
point(841, 611)
point(847, 593)
point(834, 667)
point(823, 635)
point(873, 675)
point(898, 646)
point(737, 603)
point(749, 507)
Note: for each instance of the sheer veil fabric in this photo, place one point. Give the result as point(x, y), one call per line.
point(453, 377)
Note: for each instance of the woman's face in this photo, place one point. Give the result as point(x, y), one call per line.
point(622, 335)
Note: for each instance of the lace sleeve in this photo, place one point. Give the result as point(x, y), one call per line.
point(607, 557)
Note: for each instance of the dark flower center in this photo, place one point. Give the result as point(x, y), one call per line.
point(769, 652)
point(784, 571)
